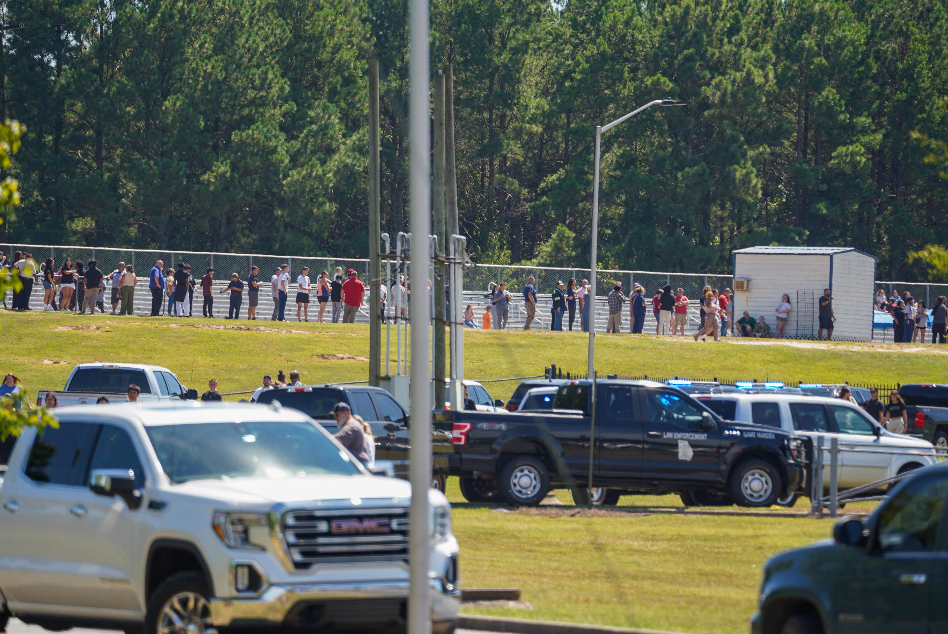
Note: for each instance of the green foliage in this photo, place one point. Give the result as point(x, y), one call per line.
point(242, 125)
point(935, 259)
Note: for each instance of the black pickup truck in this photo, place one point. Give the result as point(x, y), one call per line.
point(926, 408)
point(388, 420)
point(650, 438)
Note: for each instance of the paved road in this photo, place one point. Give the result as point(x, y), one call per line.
point(18, 627)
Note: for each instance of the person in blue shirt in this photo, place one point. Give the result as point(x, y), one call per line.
point(156, 283)
point(559, 306)
point(639, 307)
point(500, 301)
point(530, 302)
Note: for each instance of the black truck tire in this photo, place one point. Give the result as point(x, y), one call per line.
point(183, 591)
point(478, 490)
point(523, 481)
point(755, 483)
point(802, 624)
point(601, 496)
point(705, 498)
point(612, 497)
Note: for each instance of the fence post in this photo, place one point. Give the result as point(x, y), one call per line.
point(212, 260)
point(816, 486)
point(928, 298)
point(289, 262)
point(834, 480)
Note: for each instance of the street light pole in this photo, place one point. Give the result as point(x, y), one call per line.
point(591, 295)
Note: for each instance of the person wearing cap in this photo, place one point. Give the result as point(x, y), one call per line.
point(353, 290)
point(267, 385)
point(530, 302)
point(283, 285)
point(746, 325)
point(350, 434)
point(724, 300)
point(559, 306)
point(637, 306)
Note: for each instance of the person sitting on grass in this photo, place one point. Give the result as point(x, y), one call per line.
point(762, 329)
point(746, 325)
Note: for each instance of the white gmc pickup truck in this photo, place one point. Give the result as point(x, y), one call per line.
point(89, 381)
point(180, 518)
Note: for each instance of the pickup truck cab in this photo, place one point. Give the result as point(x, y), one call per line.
point(182, 518)
point(927, 412)
point(649, 437)
point(868, 453)
point(89, 381)
point(389, 421)
point(525, 386)
point(886, 574)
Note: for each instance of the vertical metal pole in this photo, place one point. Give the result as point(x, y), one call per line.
point(817, 499)
point(419, 608)
point(592, 434)
point(834, 479)
point(388, 289)
point(591, 296)
point(438, 216)
point(375, 230)
point(450, 171)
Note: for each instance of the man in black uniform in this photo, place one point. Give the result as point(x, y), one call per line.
point(874, 406)
point(826, 316)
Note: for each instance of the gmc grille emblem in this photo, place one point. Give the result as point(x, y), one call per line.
point(365, 526)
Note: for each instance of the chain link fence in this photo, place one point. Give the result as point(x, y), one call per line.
point(479, 280)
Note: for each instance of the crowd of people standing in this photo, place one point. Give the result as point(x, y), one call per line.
point(910, 317)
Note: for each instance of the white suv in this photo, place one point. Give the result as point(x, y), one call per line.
point(181, 518)
point(868, 453)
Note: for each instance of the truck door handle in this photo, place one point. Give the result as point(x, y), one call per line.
point(656, 434)
point(913, 580)
point(12, 506)
point(78, 511)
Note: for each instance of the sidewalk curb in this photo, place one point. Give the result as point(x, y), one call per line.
point(523, 626)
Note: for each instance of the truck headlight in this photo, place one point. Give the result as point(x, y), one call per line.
point(441, 523)
point(234, 528)
point(797, 449)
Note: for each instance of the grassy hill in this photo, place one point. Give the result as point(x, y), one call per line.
point(42, 348)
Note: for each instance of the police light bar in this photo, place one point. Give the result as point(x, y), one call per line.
point(804, 385)
point(773, 386)
point(743, 384)
point(678, 382)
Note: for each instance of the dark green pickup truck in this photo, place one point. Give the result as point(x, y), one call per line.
point(927, 412)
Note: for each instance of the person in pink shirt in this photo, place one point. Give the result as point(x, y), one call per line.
point(657, 309)
point(681, 313)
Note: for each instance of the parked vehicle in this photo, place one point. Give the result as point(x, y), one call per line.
point(526, 386)
point(89, 381)
point(182, 518)
point(882, 575)
point(927, 412)
point(861, 394)
point(867, 452)
point(649, 437)
point(389, 421)
point(482, 399)
point(538, 399)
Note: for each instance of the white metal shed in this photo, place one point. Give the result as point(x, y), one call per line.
point(803, 273)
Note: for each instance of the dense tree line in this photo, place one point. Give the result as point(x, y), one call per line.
point(241, 125)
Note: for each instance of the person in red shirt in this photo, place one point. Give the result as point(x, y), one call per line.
point(724, 300)
point(681, 313)
point(657, 309)
point(353, 290)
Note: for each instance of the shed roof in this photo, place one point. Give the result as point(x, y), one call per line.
point(798, 251)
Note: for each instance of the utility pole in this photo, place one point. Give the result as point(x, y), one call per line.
point(451, 176)
point(375, 230)
point(437, 209)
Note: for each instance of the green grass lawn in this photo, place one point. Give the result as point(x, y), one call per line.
point(642, 568)
point(42, 348)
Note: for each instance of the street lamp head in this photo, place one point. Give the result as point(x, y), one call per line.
point(11, 27)
point(673, 102)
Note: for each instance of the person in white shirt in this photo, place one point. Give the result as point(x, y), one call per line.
point(783, 313)
point(295, 379)
point(275, 287)
point(302, 294)
point(117, 276)
point(583, 308)
point(283, 284)
point(267, 385)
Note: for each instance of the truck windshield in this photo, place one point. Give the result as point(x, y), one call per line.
point(204, 451)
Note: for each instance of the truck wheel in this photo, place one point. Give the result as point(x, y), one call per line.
point(524, 481)
point(478, 490)
point(755, 483)
point(802, 624)
point(941, 443)
point(438, 482)
point(179, 606)
point(580, 496)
